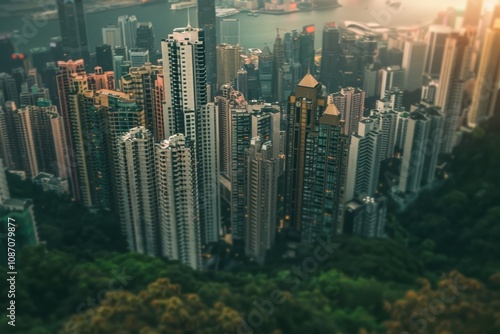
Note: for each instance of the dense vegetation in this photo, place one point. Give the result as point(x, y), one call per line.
point(438, 273)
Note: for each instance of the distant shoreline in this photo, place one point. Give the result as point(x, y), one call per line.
point(283, 12)
point(104, 8)
point(88, 11)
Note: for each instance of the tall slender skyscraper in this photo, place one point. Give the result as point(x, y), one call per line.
point(436, 40)
point(364, 161)
point(137, 191)
point(186, 111)
point(239, 141)
point(472, 13)
point(37, 132)
point(279, 60)
point(145, 38)
point(67, 70)
point(73, 29)
point(178, 201)
point(434, 144)
point(324, 178)
point(7, 47)
point(412, 166)
point(486, 76)
point(291, 66)
point(454, 73)
point(306, 39)
point(413, 64)
point(330, 57)
point(207, 21)
point(266, 68)
point(128, 29)
point(261, 170)
point(386, 122)
point(21, 121)
point(304, 107)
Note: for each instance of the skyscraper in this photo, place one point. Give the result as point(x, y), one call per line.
point(230, 31)
point(91, 146)
point(184, 91)
point(401, 130)
point(8, 88)
point(122, 114)
point(434, 143)
point(228, 63)
point(104, 57)
point(472, 13)
point(364, 161)
point(137, 191)
point(145, 38)
point(239, 141)
point(304, 106)
point(386, 122)
point(21, 123)
point(40, 57)
point(178, 201)
point(158, 95)
point(436, 40)
point(266, 68)
point(112, 36)
point(450, 92)
point(38, 131)
point(279, 60)
point(138, 57)
point(139, 83)
point(242, 81)
point(73, 28)
point(486, 76)
point(391, 77)
point(306, 41)
point(366, 216)
point(412, 165)
point(7, 50)
point(324, 178)
point(8, 138)
point(128, 29)
point(186, 111)
point(292, 65)
point(331, 53)
point(351, 104)
point(4, 187)
point(413, 64)
point(261, 170)
point(65, 87)
point(206, 21)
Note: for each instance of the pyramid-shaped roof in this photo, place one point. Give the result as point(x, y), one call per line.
point(331, 109)
point(308, 81)
point(331, 116)
point(266, 52)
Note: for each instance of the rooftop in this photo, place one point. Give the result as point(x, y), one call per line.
point(308, 81)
